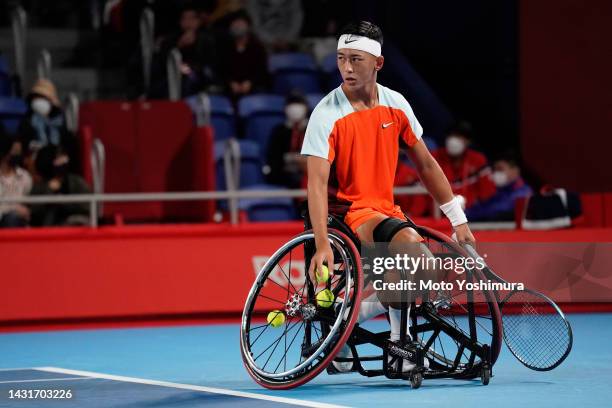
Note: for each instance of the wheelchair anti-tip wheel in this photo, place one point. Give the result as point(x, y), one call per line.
point(289, 334)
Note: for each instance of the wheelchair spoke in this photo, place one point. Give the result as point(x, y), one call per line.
point(278, 284)
point(258, 327)
point(290, 344)
point(288, 277)
point(274, 300)
point(277, 340)
point(283, 336)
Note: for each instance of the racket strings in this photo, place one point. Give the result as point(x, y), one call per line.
point(538, 335)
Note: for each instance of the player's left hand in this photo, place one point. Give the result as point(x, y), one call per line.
point(463, 235)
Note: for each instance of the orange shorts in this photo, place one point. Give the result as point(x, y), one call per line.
point(354, 218)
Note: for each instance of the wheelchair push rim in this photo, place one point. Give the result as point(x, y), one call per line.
point(336, 324)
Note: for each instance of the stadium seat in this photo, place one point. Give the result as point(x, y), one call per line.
point(5, 77)
point(294, 72)
point(261, 113)
point(268, 209)
point(12, 110)
point(222, 116)
point(332, 77)
point(251, 164)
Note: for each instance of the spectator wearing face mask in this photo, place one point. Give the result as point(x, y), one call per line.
point(44, 123)
point(466, 169)
point(54, 178)
point(510, 186)
point(243, 61)
point(15, 182)
point(286, 163)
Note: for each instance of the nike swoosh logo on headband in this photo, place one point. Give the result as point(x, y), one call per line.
point(348, 40)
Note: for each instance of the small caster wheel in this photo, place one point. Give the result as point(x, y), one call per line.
point(485, 375)
point(416, 380)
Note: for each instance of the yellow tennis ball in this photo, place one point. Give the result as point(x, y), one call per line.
point(322, 275)
point(276, 318)
point(325, 298)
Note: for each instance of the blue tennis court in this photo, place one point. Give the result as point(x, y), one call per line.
point(191, 366)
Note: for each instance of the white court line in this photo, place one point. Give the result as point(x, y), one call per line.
point(48, 379)
point(17, 369)
point(189, 387)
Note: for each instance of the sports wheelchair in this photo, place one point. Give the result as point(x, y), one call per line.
point(455, 334)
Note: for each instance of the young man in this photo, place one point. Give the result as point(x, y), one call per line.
point(354, 135)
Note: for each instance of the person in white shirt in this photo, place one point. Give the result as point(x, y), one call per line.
point(15, 182)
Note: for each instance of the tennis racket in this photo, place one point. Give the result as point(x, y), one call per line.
point(535, 329)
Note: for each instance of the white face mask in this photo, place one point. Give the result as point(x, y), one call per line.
point(296, 112)
point(455, 146)
point(500, 178)
point(41, 106)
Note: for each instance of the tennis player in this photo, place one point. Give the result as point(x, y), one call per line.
point(352, 143)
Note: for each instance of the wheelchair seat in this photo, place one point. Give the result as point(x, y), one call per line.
point(335, 219)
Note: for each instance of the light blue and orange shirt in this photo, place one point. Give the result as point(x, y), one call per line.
point(363, 148)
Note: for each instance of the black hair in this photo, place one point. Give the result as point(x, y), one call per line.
point(296, 97)
point(509, 156)
point(239, 15)
point(462, 128)
point(364, 29)
point(44, 161)
point(6, 144)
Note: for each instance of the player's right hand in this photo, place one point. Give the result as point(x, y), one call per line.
point(323, 255)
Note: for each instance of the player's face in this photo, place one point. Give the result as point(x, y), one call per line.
point(358, 67)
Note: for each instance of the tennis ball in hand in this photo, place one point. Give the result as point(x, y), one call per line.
point(276, 318)
point(325, 298)
point(322, 274)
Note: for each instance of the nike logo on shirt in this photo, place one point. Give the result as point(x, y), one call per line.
point(386, 125)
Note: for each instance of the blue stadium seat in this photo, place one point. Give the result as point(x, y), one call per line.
point(5, 77)
point(294, 72)
point(268, 209)
point(12, 110)
point(313, 99)
point(261, 113)
point(222, 116)
point(332, 77)
point(250, 164)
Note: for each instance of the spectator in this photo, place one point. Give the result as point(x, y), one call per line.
point(54, 178)
point(15, 182)
point(197, 46)
point(277, 23)
point(44, 124)
point(510, 187)
point(466, 169)
point(244, 62)
point(286, 163)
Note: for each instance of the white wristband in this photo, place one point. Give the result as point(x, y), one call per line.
point(453, 212)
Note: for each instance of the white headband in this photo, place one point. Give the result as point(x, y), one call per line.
point(357, 42)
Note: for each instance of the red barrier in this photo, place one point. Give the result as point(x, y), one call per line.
point(189, 270)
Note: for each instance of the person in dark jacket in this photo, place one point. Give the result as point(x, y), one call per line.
point(54, 178)
point(287, 166)
point(244, 60)
point(510, 186)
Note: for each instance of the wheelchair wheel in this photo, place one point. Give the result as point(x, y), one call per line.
point(450, 322)
point(311, 332)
